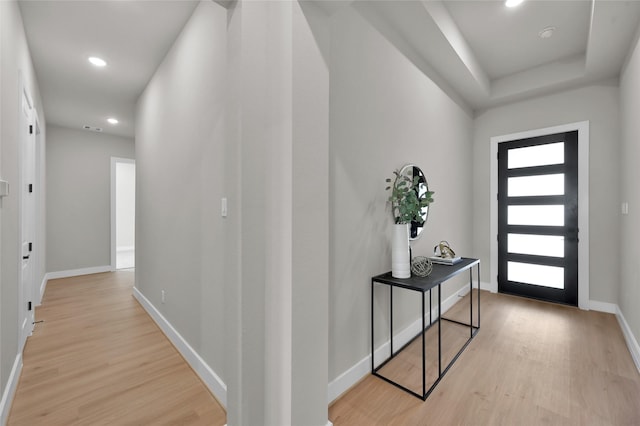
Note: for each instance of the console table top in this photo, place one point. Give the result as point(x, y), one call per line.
point(439, 274)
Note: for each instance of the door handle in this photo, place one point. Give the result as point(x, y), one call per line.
point(25, 257)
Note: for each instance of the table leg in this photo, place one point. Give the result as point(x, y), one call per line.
point(439, 331)
point(471, 302)
point(424, 373)
point(430, 307)
point(372, 333)
point(478, 295)
point(391, 317)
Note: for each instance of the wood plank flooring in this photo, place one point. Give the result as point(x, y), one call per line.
point(532, 363)
point(99, 359)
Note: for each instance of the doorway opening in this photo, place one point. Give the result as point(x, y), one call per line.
point(123, 212)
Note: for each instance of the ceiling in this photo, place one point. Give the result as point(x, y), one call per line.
point(484, 54)
point(490, 29)
point(131, 36)
point(481, 53)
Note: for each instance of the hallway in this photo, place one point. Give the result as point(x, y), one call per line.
point(99, 359)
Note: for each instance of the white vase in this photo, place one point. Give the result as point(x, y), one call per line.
point(400, 264)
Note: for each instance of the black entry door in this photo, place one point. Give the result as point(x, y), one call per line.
point(538, 217)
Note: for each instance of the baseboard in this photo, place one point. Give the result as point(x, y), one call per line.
point(490, 287)
point(77, 272)
point(609, 308)
point(346, 380)
point(10, 390)
point(207, 375)
point(353, 375)
point(43, 287)
point(632, 343)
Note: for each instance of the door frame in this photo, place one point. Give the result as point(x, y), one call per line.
point(39, 227)
point(583, 202)
point(26, 291)
point(114, 162)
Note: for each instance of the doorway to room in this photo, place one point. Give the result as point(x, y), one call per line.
point(538, 217)
point(123, 208)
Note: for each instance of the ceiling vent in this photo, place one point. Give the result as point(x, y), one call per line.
point(91, 128)
point(546, 32)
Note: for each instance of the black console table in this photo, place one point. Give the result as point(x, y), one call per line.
point(438, 276)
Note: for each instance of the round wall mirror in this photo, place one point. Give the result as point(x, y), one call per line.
point(412, 171)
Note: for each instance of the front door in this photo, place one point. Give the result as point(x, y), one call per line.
point(538, 217)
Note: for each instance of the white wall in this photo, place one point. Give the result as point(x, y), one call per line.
point(282, 134)
point(310, 215)
point(79, 196)
point(629, 173)
point(597, 104)
point(246, 92)
point(384, 113)
point(16, 67)
point(180, 165)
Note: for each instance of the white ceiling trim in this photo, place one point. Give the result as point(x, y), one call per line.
point(450, 30)
point(426, 33)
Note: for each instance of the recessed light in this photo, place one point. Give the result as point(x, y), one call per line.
point(512, 3)
point(546, 32)
point(112, 121)
point(98, 62)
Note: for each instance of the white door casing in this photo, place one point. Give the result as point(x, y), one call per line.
point(27, 217)
point(583, 202)
point(37, 254)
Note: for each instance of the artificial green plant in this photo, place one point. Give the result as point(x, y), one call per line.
point(406, 203)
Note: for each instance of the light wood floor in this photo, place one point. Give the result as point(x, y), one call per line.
point(99, 359)
point(532, 363)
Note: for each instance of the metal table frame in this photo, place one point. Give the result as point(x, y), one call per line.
point(439, 275)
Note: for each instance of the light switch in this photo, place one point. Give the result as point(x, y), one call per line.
point(625, 208)
point(4, 188)
point(223, 207)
